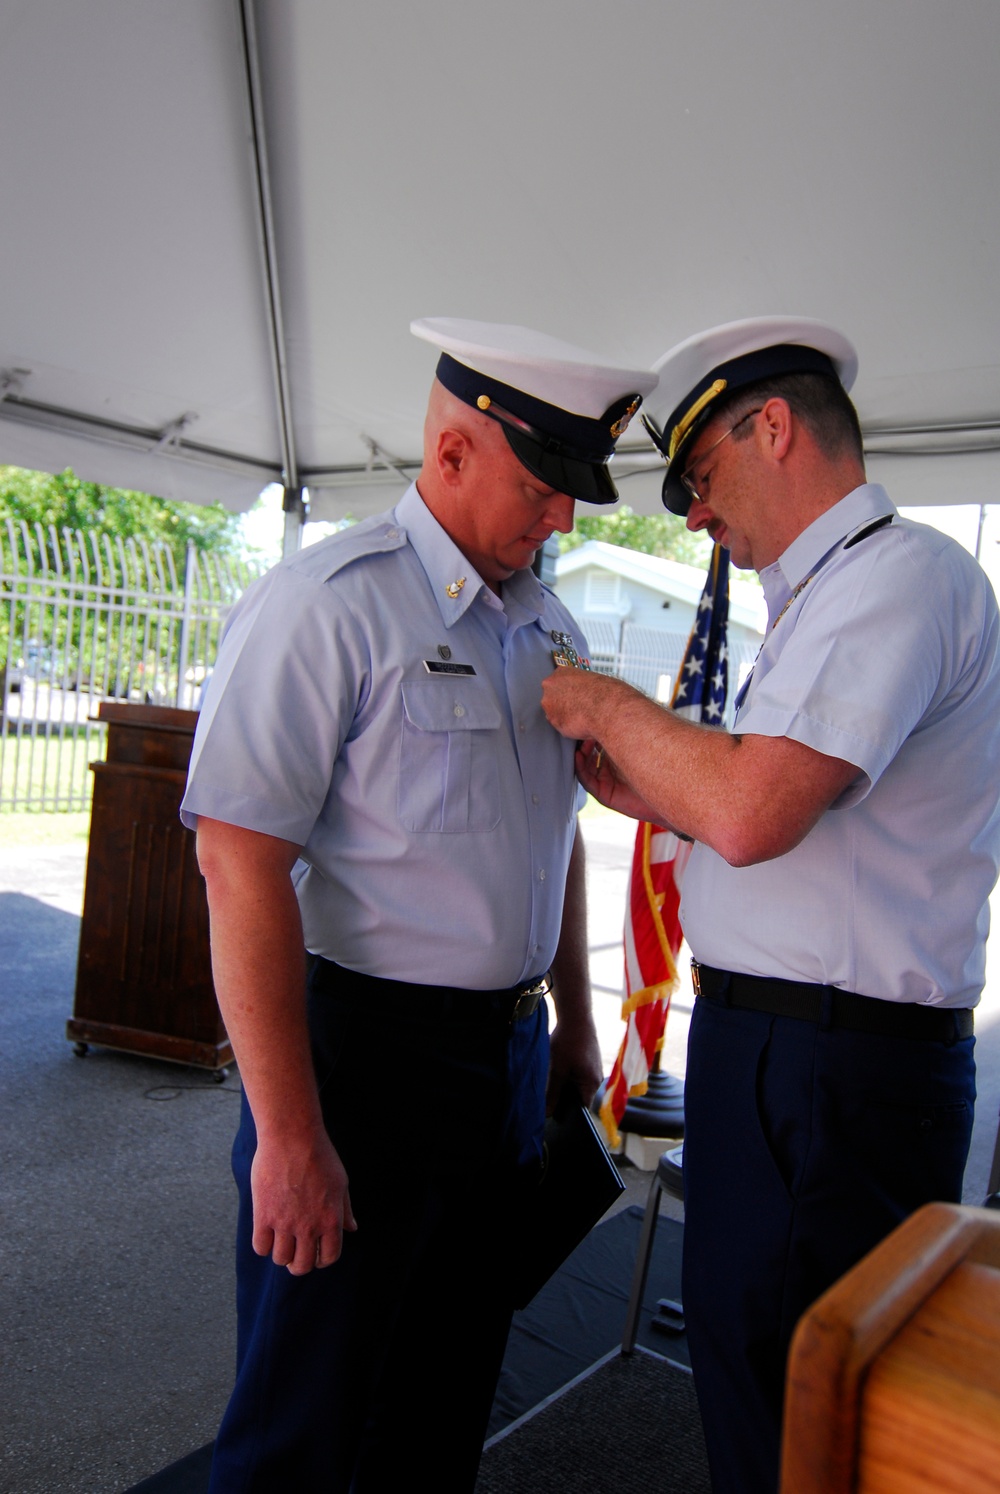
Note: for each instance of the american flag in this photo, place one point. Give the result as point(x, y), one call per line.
point(652, 926)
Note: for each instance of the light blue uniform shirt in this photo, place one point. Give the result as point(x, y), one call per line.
point(437, 810)
point(886, 658)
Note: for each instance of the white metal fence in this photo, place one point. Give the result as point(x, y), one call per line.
point(649, 657)
point(92, 617)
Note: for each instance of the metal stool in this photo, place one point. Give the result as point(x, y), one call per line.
point(992, 1199)
point(668, 1176)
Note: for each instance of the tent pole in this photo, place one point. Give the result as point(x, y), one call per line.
point(295, 510)
point(267, 242)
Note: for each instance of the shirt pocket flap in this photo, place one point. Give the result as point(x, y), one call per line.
point(448, 705)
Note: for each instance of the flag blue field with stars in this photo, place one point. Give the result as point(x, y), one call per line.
point(702, 680)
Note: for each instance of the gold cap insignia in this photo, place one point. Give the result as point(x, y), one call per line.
point(454, 587)
point(621, 424)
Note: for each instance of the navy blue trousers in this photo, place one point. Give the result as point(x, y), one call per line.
point(378, 1373)
point(803, 1147)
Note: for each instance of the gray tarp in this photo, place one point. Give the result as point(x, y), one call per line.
point(617, 175)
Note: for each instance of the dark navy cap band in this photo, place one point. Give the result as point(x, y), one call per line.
point(590, 440)
point(712, 392)
point(565, 451)
point(764, 363)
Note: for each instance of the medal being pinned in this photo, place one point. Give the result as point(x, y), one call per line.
point(564, 655)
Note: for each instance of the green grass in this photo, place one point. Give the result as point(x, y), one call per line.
point(54, 766)
point(19, 829)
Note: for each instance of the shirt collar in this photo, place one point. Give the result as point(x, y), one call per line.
point(805, 554)
point(454, 580)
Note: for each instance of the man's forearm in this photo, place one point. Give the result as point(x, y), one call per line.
point(748, 797)
point(301, 1201)
point(258, 966)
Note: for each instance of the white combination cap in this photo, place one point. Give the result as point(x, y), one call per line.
point(699, 372)
point(562, 408)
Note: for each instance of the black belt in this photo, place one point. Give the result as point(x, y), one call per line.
point(831, 1007)
point(513, 1004)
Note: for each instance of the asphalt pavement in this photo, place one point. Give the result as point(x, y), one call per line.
point(118, 1342)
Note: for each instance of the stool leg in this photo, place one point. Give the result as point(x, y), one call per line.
point(641, 1270)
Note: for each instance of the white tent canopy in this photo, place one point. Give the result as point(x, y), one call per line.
point(219, 219)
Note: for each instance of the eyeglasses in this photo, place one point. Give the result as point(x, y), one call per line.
point(687, 480)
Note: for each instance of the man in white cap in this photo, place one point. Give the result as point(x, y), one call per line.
point(847, 840)
point(387, 826)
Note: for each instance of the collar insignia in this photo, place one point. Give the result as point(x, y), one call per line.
point(454, 587)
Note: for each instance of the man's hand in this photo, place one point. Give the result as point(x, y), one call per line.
point(600, 778)
point(574, 1059)
point(301, 1203)
point(576, 701)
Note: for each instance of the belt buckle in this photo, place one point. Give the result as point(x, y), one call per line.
point(529, 996)
point(696, 977)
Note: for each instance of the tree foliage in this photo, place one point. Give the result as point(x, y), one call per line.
point(663, 534)
point(65, 501)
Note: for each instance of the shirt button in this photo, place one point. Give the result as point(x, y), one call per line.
point(521, 726)
point(541, 875)
point(392, 534)
point(535, 799)
point(460, 710)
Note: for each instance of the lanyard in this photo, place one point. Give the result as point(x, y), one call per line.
point(854, 540)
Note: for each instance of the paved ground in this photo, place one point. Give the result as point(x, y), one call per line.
point(117, 1344)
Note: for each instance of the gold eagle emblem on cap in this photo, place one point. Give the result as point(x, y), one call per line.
point(621, 424)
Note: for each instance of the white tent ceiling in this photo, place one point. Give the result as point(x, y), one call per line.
point(618, 176)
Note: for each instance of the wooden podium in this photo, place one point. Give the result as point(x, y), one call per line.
point(894, 1374)
point(144, 976)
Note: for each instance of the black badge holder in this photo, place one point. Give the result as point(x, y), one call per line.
point(577, 1184)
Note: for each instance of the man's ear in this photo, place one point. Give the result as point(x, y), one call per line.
point(776, 428)
point(452, 455)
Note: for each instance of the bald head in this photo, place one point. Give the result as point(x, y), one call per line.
point(494, 509)
point(447, 413)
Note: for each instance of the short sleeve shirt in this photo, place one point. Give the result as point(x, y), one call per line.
point(375, 703)
point(882, 650)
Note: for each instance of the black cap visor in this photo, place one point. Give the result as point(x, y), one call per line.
point(589, 482)
point(676, 498)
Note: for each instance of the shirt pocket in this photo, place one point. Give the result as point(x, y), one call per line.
point(449, 779)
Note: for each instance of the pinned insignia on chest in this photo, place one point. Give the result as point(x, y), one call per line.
point(564, 655)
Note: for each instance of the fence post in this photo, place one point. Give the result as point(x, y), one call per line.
point(184, 647)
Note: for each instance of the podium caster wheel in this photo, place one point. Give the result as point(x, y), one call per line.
point(81, 1049)
point(219, 1076)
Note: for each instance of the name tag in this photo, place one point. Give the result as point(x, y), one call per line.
point(439, 666)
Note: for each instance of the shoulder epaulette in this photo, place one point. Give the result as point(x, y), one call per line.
point(863, 534)
point(378, 535)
